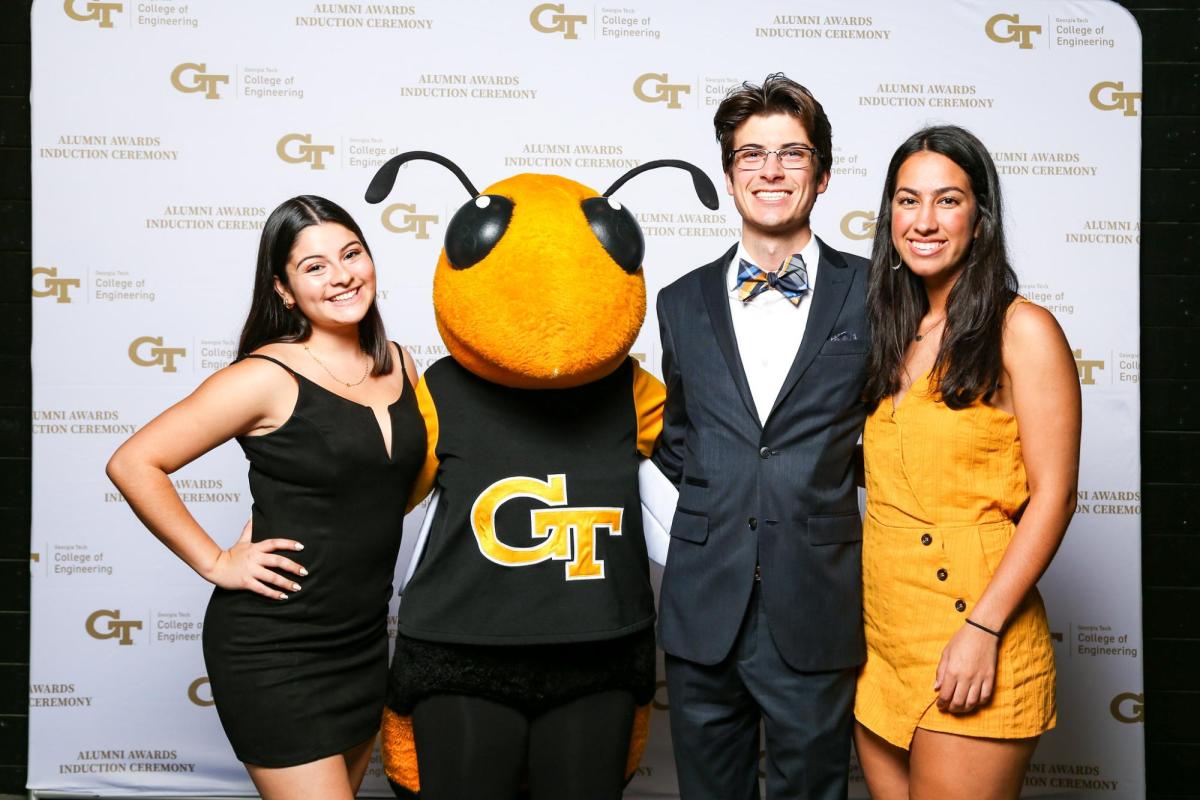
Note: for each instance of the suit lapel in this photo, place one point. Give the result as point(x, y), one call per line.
point(829, 295)
point(716, 299)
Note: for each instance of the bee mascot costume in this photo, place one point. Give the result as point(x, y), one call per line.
point(524, 657)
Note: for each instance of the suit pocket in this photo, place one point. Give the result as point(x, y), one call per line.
point(852, 347)
point(689, 526)
point(834, 528)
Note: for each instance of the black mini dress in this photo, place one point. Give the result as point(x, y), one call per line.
point(305, 678)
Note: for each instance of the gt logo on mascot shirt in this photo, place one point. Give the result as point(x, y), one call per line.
point(569, 533)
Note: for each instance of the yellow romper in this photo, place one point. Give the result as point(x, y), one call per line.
point(942, 488)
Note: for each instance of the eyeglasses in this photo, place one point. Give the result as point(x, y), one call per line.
point(754, 158)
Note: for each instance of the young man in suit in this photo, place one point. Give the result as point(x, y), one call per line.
point(764, 356)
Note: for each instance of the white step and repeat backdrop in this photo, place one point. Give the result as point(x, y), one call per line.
point(165, 131)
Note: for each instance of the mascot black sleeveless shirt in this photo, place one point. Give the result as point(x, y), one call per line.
point(537, 537)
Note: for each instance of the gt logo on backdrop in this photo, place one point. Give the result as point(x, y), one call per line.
point(1111, 96)
point(106, 624)
point(654, 87)
point(148, 351)
point(194, 692)
point(190, 78)
point(305, 151)
point(52, 285)
point(858, 225)
point(1085, 367)
point(556, 21)
point(1128, 707)
point(569, 533)
point(1007, 28)
point(412, 222)
point(92, 10)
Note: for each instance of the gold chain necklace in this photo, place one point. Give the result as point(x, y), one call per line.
point(922, 334)
point(348, 385)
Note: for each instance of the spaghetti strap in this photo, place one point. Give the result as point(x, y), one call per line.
point(291, 371)
point(403, 370)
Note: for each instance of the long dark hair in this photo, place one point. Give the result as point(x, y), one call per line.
point(968, 364)
point(269, 319)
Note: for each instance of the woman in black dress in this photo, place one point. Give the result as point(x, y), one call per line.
point(326, 415)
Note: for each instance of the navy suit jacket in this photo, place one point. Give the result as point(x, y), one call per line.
point(781, 495)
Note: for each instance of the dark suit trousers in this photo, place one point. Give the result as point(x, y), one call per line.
point(715, 715)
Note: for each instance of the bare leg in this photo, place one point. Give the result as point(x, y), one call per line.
point(944, 766)
point(323, 779)
point(357, 759)
point(884, 765)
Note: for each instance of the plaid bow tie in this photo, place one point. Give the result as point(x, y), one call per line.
point(790, 280)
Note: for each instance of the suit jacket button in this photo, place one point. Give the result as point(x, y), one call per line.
point(764, 452)
point(753, 523)
point(926, 539)
point(960, 606)
point(942, 575)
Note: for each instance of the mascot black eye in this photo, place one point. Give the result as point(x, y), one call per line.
point(617, 231)
point(475, 229)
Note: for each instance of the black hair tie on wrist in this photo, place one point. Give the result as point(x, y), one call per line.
point(983, 627)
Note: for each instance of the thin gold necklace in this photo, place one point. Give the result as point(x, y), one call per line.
point(349, 385)
point(922, 334)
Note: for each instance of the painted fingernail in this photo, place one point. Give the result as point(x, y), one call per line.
point(282, 596)
point(303, 571)
point(299, 546)
point(295, 587)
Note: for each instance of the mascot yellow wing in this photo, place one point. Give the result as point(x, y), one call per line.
point(423, 485)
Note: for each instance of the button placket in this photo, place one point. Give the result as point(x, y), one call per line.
point(942, 573)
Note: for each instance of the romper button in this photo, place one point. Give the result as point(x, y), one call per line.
point(764, 452)
point(960, 606)
point(754, 523)
point(926, 539)
point(942, 575)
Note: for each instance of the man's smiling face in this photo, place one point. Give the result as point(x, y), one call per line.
point(774, 201)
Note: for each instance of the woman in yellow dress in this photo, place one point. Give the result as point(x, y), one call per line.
point(972, 458)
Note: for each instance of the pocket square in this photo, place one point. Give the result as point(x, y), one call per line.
point(844, 336)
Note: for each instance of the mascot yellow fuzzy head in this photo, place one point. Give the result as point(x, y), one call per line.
point(540, 284)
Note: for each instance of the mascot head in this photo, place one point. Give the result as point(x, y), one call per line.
point(540, 283)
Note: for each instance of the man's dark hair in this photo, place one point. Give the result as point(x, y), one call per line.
point(777, 95)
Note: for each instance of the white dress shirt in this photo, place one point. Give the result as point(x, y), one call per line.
point(769, 328)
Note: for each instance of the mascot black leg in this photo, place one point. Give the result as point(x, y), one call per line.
point(578, 750)
point(469, 747)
